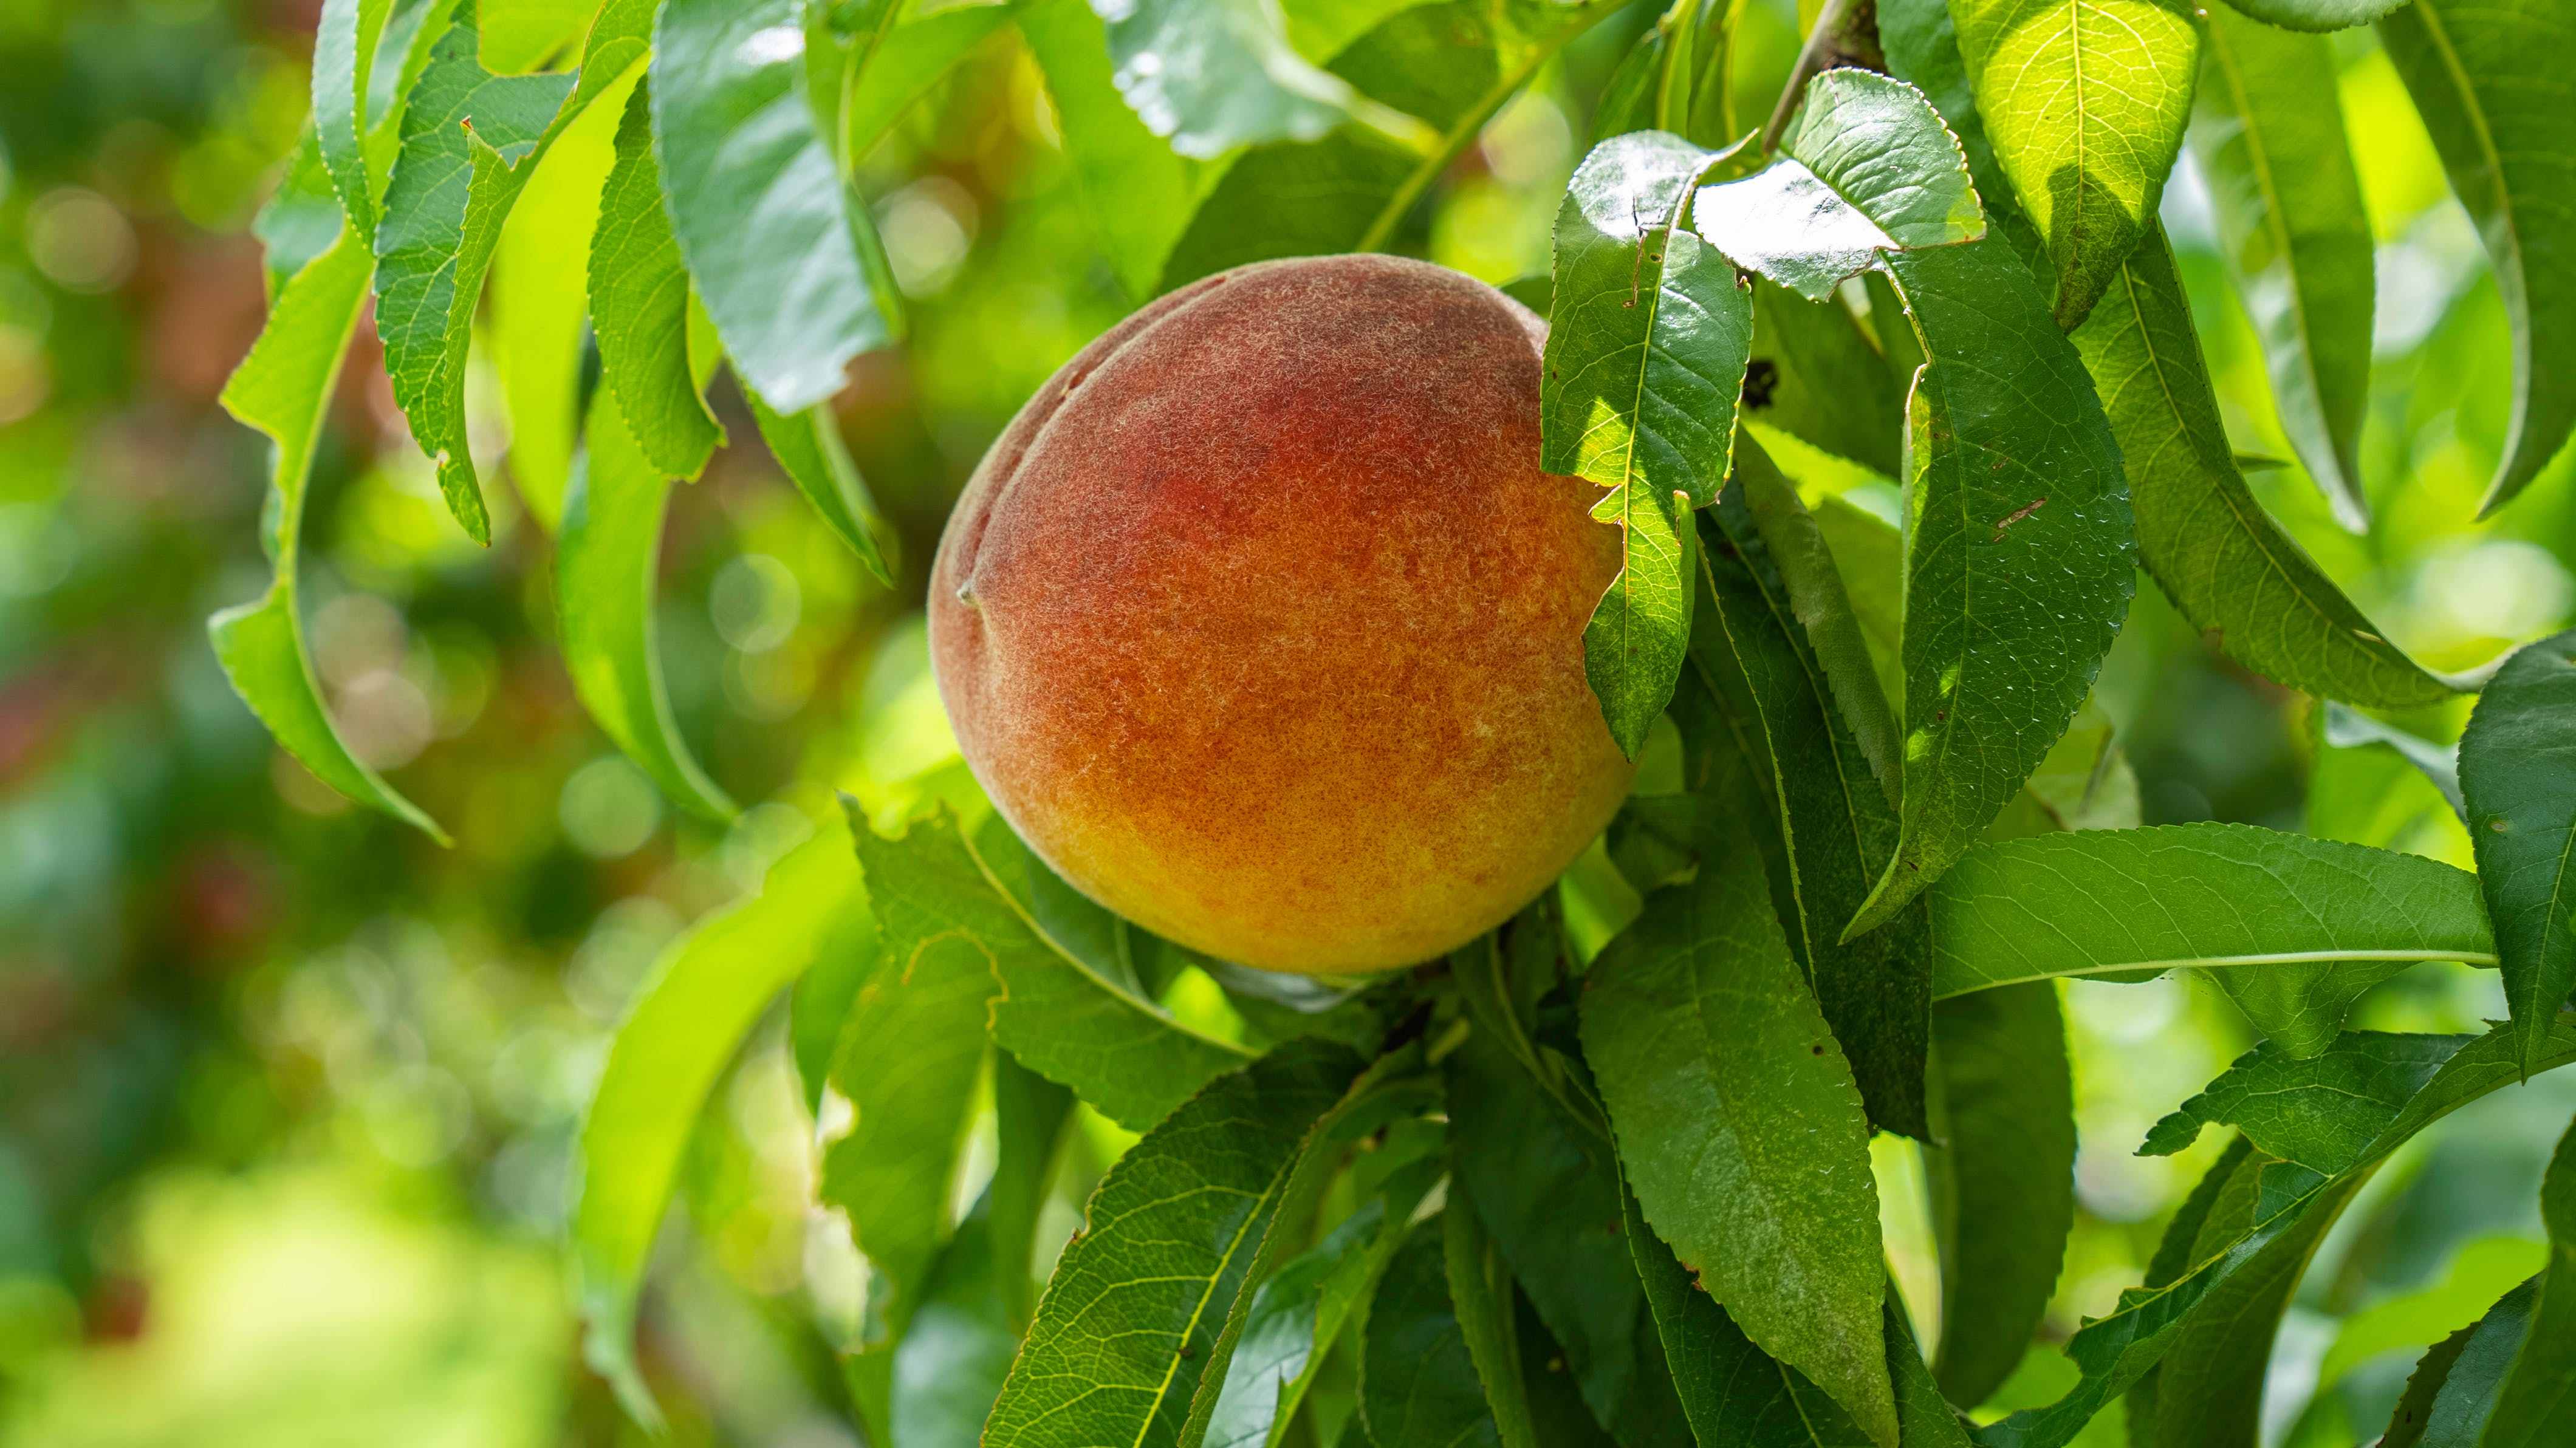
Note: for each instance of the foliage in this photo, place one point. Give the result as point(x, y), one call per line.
point(1798, 1113)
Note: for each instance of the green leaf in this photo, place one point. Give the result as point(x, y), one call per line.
point(1139, 192)
point(2321, 1111)
point(1869, 553)
point(1735, 1393)
point(953, 1357)
point(1293, 1321)
point(912, 58)
point(2532, 1406)
point(1483, 1299)
point(2019, 552)
point(639, 307)
point(2002, 1177)
point(1815, 376)
point(1545, 1182)
point(2085, 102)
point(2229, 569)
point(2270, 141)
point(705, 994)
point(2518, 778)
point(764, 221)
point(2197, 897)
point(2439, 764)
point(2415, 1404)
point(520, 35)
point(2085, 783)
point(1867, 167)
point(1211, 75)
point(2492, 85)
point(825, 995)
point(1644, 359)
point(1741, 1130)
point(607, 562)
point(808, 448)
point(2461, 1377)
point(344, 59)
point(1029, 1115)
point(1836, 825)
point(1418, 1385)
point(283, 389)
point(1122, 1335)
point(2316, 15)
point(1057, 1013)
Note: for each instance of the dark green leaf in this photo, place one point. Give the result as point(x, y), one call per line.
point(2269, 137)
point(2002, 1177)
point(1029, 1114)
point(2283, 915)
point(1836, 826)
point(2492, 84)
point(2229, 569)
point(2085, 102)
point(1815, 376)
point(1058, 1014)
point(2415, 1405)
point(1485, 1302)
point(2533, 1408)
point(2320, 1111)
point(1866, 167)
point(2518, 778)
point(639, 308)
point(2020, 556)
point(1418, 1386)
point(1741, 1130)
point(808, 448)
point(709, 988)
point(1645, 357)
point(1123, 1334)
point(1293, 1320)
point(2467, 1377)
point(607, 560)
point(764, 220)
point(958, 1347)
point(282, 389)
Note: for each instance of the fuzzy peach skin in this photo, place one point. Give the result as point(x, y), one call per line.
point(1263, 626)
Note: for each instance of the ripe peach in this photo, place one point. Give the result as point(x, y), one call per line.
point(1263, 626)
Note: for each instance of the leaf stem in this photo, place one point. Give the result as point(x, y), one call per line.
point(1454, 141)
point(1846, 33)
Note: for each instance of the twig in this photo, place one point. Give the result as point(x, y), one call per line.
point(1846, 33)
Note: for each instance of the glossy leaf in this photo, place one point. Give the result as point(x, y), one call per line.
point(2019, 552)
point(2255, 903)
point(1138, 191)
point(608, 563)
point(704, 996)
point(2534, 1405)
point(2270, 140)
point(283, 389)
point(1741, 1131)
point(1122, 1335)
point(1836, 827)
point(1293, 1321)
point(1866, 167)
point(1645, 356)
point(808, 448)
point(2518, 778)
point(2002, 1177)
point(1418, 1385)
point(2492, 84)
point(756, 199)
point(2085, 102)
point(1211, 75)
point(639, 307)
point(2226, 565)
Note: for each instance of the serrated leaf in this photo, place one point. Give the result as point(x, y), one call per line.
point(1741, 1131)
point(2226, 565)
point(344, 60)
point(1056, 1012)
point(1645, 357)
point(2020, 554)
point(607, 565)
point(1867, 167)
point(1211, 75)
point(2491, 82)
point(283, 389)
point(2518, 779)
point(2320, 1111)
point(1418, 1385)
point(2283, 915)
point(956, 1352)
point(1293, 1321)
point(2460, 1378)
point(2085, 102)
point(2002, 1178)
point(808, 448)
point(1122, 1335)
point(2270, 140)
point(639, 309)
point(2533, 1405)
point(1836, 827)
point(705, 994)
point(768, 228)
point(1483, 1299)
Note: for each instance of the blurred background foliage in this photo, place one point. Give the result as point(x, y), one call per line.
point(288, 1093)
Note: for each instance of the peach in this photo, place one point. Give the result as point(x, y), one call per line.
point(1263, 626)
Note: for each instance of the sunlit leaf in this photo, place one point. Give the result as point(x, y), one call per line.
point(1138, 191)
point(2492, 84)
point(1211, 75)
point(2518, 778)
point(913, 57)
point(1293, 1320)
point(639, 308)
point(520, 35)
point(344, 59)
point(808, 448)
point(2316, 15)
